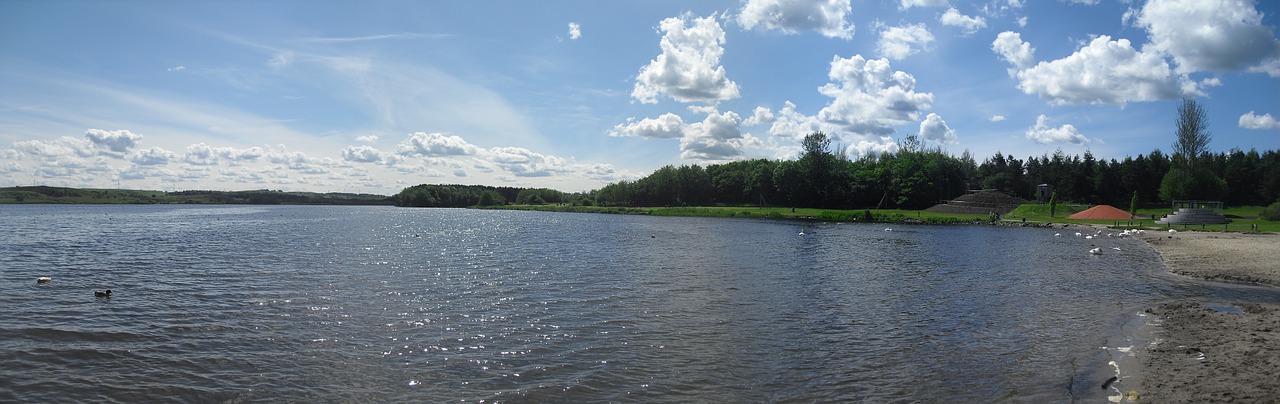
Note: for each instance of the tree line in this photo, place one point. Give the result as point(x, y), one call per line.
point(918, 176)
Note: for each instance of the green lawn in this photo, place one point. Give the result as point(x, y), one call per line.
point(1243, 218)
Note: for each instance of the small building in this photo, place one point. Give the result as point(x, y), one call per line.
point(1044, 192)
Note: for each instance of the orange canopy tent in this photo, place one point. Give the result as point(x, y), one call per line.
point(1101, 212)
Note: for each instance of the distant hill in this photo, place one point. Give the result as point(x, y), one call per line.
point(44, 194)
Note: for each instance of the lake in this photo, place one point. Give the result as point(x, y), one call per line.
point(343, 304)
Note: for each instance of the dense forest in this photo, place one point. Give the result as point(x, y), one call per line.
point(915, 177)
point(918, 176)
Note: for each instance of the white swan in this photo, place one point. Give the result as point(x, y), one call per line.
point(1057, 234)
point(1115, 248)
point(888, 229)
point(1095, 251)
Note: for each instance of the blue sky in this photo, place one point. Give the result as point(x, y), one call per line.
point(376, 96)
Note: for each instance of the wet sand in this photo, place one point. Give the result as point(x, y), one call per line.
point(1205, 353)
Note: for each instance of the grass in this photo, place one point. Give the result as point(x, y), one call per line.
point(832, 215)
point(1243, 219)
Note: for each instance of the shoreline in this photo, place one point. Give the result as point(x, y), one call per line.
point(1213, 351)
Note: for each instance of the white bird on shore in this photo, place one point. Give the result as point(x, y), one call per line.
point(1078, 234)
point(1172, 231)
point(888, 229)
point(1088, 237)
point(1057, 234)
point(1115, 248)
point(1095, 251)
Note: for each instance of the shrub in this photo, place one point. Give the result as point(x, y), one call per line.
point(1272, 212)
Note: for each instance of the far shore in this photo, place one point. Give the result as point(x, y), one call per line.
point(1204, 353)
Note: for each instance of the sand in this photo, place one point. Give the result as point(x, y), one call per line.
point(1208, 353)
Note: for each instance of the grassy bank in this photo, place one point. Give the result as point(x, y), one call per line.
point(832, 215)
point(1243, 218)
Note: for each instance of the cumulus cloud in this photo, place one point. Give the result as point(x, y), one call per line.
point(1043, 134)
point(760, 116)
point(203, 154)
point(935, 129)
point(792, 16)
point(997, 118)
point(1010, 46)
point(906, 4)
point(968, 25)
point(1102, 72)
point(367, 138)
point(899, 42)
point(869, 97)
point(666, 126)
point(65, 146)
point(688, 69)
point(361, 154)
point(1252, 121)
point(575, 30)
point(525, 163)
point(435, 144)
point(115, 141)
point(717, 137)
point(151, 157)
point(1211, 35)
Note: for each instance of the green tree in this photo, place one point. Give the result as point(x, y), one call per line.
point(1192, 129)
point(1053, 204)
point(1133, 205)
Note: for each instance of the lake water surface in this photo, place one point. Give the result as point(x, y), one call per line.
point(342, 304)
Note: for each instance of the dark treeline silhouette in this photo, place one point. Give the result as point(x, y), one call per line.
point(917, 176)
point(461, 196)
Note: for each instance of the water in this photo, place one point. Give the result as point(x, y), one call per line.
point(232, 303)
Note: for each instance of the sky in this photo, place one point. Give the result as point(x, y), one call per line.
point(375, 96)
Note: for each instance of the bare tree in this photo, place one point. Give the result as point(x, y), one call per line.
point(1193, 131)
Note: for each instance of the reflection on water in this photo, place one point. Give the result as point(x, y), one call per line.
point(387, 304)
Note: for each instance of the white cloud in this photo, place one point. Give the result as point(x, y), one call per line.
point(760, 116)
point(666, 126)
point(715, 138)
point(367, 138)
point(361, 154)
point(116, 141)
point(177, 68)
point(997, 118)
point(1022, 21)
point(1251, 121)
point(575, 30)
point(899, 42)
point(968, 25)
point(869, 97)
point(1211, 35)
point(525, 163)
point(906, 4)
point(435, 144)
point(1085, 2)
point(65, 146)
point(1102, 72)
point(688, 69)
point(792, 16)
point(153, 156)
point(203, 154)
point(1010, 46)
point(1041, 133)
point(935, 129)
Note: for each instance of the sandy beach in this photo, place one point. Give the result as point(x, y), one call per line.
point(1205, 353)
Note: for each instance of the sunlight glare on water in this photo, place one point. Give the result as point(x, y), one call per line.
point(272, 303)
